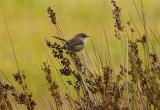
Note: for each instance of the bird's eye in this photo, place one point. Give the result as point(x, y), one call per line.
point(85, 36)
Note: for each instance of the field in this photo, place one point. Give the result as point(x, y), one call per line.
point(28, 25)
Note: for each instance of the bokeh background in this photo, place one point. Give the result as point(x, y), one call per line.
point(29, 25)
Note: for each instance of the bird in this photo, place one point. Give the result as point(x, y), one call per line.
point(75, 44)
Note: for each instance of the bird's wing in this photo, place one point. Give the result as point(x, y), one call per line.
point(74, 42)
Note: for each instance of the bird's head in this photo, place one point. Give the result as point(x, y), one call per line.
point(81, 36)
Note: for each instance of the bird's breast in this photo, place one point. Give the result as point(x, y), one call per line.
point(77, 48)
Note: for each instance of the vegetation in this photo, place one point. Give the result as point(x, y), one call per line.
point(94, 83)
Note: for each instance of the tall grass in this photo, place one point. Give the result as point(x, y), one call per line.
point(94, 83)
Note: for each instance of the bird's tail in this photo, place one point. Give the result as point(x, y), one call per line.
point(59, 38)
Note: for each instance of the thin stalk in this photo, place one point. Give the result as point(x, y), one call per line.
point(11, 42)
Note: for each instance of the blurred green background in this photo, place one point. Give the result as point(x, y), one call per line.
point(29, 25)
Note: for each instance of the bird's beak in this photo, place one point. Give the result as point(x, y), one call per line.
point(88, 36)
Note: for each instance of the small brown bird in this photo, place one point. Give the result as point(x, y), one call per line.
point(77, 43)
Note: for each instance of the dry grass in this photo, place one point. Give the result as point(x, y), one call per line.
point(95, 85)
